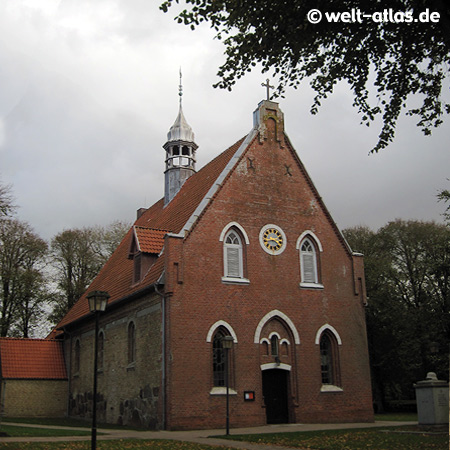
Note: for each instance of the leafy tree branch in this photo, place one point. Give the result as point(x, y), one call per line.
point(384, 64)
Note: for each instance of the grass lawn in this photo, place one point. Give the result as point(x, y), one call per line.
point(109, 445)
point(63, 422)
point(387, 438)
point(15, 431)
point(397, 417)
point(60, 421)
point(353, 439)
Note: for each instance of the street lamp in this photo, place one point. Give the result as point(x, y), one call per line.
point(227, 344)
point(97, 304)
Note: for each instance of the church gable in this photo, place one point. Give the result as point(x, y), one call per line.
point(268, 180)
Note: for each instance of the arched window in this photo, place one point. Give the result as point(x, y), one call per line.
point(76, 364)
point(218, 359)
point(131, 343)
point(233, 255)
point(234, 239)
point(329, 363)
point(101, 346)
point(308, 262)
point(274, 345)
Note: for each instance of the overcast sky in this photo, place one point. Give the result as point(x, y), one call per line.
point(89, 90)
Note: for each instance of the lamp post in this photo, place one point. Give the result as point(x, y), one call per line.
point(227, 344)
point(97, 304)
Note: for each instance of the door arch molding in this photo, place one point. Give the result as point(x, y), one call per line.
point(280, 366)
point(282, 316)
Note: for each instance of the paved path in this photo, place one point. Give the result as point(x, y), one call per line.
point(198, 436)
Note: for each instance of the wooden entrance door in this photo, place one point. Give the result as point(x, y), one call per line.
point(275, 392)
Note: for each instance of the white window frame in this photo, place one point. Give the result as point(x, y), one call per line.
point(309, 236)
point(334, 339)
point(236, 250)
point(308, 263)
point(236, 277)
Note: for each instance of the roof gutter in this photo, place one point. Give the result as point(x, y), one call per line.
point(163, 353)
point(113, 305)
point(218, 183)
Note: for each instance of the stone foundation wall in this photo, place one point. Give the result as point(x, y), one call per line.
point(139, 411)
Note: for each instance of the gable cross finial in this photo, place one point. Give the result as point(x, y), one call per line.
point(267, 86)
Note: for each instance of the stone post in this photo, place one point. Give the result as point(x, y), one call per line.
point(432, 400)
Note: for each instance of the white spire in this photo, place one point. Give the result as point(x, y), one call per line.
point(180, 130)
point(180, 153)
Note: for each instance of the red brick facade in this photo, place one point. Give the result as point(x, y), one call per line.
point(298, 325)
point(274, 189)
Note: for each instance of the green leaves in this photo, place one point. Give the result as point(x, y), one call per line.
point(407, 269)
point(403, 59)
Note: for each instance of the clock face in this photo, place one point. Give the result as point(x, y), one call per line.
point(272, 239)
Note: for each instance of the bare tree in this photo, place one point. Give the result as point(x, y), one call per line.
point(77, 256)
point(22, 255)
point(6, 200)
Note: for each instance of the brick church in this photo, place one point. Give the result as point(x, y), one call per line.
point(242, 250)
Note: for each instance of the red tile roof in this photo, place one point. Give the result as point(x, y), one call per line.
point(150, 240)
point(116, 275)
point(32, 359)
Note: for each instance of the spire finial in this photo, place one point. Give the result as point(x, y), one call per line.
point(180, 88)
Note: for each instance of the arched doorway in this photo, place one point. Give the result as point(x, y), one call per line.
point(275, 384)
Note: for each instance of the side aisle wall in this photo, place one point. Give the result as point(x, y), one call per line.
point(129, 367)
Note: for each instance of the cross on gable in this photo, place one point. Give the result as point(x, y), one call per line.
point(267, 86)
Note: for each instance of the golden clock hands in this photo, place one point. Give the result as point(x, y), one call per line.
point(274, 239)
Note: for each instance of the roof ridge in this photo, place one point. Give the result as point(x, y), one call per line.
point(151, 228)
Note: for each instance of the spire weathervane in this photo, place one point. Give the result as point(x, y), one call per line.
point(268, 86)
point(180, 88)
